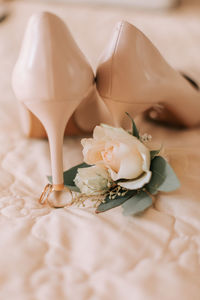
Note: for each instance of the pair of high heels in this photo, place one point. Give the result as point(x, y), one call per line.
point(52, 79)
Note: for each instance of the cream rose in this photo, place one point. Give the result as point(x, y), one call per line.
point(122, 154)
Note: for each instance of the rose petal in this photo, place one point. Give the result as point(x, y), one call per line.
point(92, 151)
point(130, 167)
point(137, 183)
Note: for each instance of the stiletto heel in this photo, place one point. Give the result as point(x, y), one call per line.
point(51, 78)
point(132, 71)
point(54, 116)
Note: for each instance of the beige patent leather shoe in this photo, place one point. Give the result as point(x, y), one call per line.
point(50, 79)
point(133, 77)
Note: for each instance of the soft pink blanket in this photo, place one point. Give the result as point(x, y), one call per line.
point(72, 253)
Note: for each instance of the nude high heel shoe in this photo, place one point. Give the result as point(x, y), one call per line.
point(51, 78)
point(133, 77)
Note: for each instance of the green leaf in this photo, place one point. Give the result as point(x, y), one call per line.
point(135, 131)
point(137, 204)
point(154, 153)
point(69, 176)
point(163, 177)
point(109, 203)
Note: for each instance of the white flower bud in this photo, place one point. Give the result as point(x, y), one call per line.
point(93, 180)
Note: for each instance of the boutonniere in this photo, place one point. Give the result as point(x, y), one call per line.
point(119, 169)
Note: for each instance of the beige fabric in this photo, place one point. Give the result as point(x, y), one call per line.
point(73, 253)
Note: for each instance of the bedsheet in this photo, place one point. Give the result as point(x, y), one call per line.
point(61, 254)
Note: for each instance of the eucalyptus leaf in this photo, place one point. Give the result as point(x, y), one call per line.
point(111, 203)
point(135, 131)
point(137, 204)
point(163, 177)
point(69, 176)
point(171, 182)
point(154, 153)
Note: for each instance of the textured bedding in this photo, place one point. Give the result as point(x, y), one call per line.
point(61, 254)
